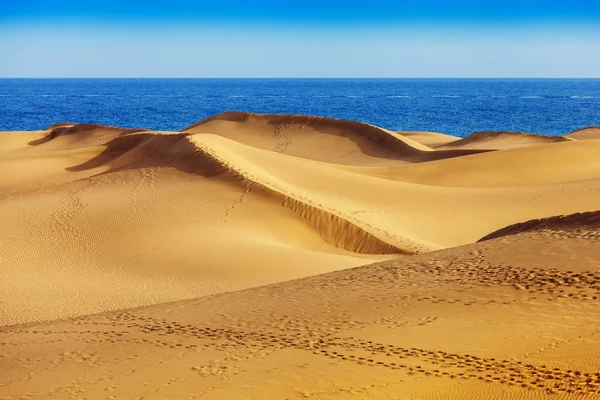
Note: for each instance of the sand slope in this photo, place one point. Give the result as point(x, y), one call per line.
point(321, 139)
point(593, 132)
point(430, 139)
point(549, 164)
point(501, 140)
point(102, 218)
point(516, 316)
point(144, 219)
point(485, 282)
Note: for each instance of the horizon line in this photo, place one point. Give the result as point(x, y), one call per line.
point(300, 77)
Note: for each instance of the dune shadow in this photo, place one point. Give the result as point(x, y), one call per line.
point(583, 220)
point(148, 150)
point(67, 128)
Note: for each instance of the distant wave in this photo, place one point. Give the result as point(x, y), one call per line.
point(237, 96)
point(166, 95)
point(102, 95)
point(61, 95)
point(446, 96)
point(584, 97)
point(532, 97)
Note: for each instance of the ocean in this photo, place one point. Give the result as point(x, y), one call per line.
point(454, 106)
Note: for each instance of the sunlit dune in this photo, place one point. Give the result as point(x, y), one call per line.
point(265, 256)
point(501, 141)
point(593, 132)
point(321, 139)
point(430, 139)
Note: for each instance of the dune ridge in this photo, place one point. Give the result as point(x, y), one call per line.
point(552, 163)
point(453, 323)
point(332, 259)
point(371, 132)
point(86, 134)
point(143, 150)
point(320, 138)
point(334, 229)
point(587, 220)
point(497, 140)
point(592, 132)
point(430, 139)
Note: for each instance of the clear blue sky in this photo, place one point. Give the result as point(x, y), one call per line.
point(311, 38)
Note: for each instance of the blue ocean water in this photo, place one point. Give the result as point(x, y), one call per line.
point(454, 106)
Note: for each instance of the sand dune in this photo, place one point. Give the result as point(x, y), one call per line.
point(488, 320)
point(67, 136)
point(593, 132)
point(127, 210)
point(501, 140)
point(491, 240)
point(549, 164)
point(321, 139)
point(143, 221)
point(574, 223)
point(430, 139)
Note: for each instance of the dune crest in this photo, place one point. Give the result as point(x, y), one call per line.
point(589, 221)
point(430, 139)
point(457, 323)
point(191, 154)
point(589, 133)
point(288, 256)
point(322, 139)
point(193, 213)
point(84, 135)
point(548, 164)
point(501, 140)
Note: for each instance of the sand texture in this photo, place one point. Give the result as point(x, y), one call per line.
point(593, 132)
point(288, 257)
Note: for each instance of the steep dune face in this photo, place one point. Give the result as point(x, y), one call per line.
point(102, 218)
point(321, 139)
point(575, 223)
point(477, 262)
point(501, 140)
point(151, 219)
point(402, 213)
point(495, 319)
point(592, 132)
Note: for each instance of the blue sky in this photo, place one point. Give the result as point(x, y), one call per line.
point(312, 38)
point(305, 11)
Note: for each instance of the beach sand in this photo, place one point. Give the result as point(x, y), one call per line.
point(287, 257)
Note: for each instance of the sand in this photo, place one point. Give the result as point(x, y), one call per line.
point(501, 140)
point(593, 132)
point(270, 257)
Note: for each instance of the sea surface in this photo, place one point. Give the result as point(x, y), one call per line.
point(454, 106)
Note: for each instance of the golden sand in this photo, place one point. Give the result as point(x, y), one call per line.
point(158, 265)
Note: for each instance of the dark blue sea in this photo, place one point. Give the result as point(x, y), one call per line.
point(454, 106)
